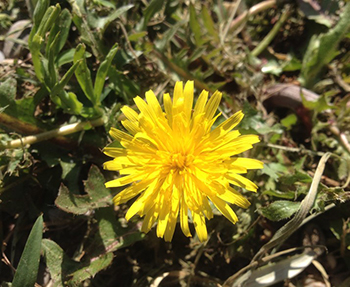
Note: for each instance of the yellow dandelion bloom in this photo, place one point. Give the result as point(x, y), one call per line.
point(177, 164)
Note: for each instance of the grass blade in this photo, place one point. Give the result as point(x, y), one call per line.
point(28, 265)
point(103, 70)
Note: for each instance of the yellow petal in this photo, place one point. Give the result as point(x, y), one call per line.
point(134, 209)
point(154, 104)
point(149, 220)
point(117, 164)
point(241, 181)
point(114, 151)
point(206, 208)
point(188, 99)
point(199, 108)
point(163, 217)
point(232, 196)
point(168, 107)
point(213, 104)
point(119, 135)
point(132, 127)
point(199, 225)
point(131, 191)
point(145, 109)
point(224, 208)
point(248, 163)
point(227, 125)
point(129, 113)
point(124, 180)
point(184, 218)
point(170, 229)
point(178, 92)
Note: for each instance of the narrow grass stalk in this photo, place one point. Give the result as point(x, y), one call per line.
point(271, 35)
point(234, 11)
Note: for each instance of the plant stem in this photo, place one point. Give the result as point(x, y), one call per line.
point(341, 137)
point(61, 131)
point(271, 35)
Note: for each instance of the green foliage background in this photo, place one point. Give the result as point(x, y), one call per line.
point(76, 61)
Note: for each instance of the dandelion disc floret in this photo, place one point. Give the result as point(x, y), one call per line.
point(176, 164)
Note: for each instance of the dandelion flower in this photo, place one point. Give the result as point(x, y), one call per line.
point(177, 164)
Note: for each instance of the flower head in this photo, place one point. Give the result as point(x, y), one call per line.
point(177, 164)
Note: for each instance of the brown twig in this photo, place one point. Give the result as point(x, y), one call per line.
point(341, 136)
point(262, 6)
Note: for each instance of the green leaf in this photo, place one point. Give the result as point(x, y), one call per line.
point(318, 106)
point(272, 67)
point(339, 228)
point(58, 263)
point(292, 64)
point(39, 12)
point(68, 101)
point(273, 170)
point(105, 3)
point(111, 236)
point(67, 56)
point(253, 122)
point(344, 167)
point(35, 48)
point(103, 70)
point(88, 36)
point(322, 49)
point(65, 21)
point(209, 23)
point(90, 112)
point(153, 7)
point(22, 109)
point(63, 82)
point(51, 61)
point(108, 227)
point(289, 121)
point(136, 36)
point(8, 90)
point(280, 194)
point(103, 23)
point(28, 265)
point(280, 209)
point(297, 177)
point(90, 269)
point(66, 272)
point(97, 195)
point(70, 173)
point(48, 20)
point(168, 35)
point(122, 85)
point(61, 26)
point(77, 204)
point(83, 74)
point(195, 27)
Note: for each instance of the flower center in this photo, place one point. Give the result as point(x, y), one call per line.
point(179, 161)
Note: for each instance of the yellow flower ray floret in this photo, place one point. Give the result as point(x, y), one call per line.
point(177, 164)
